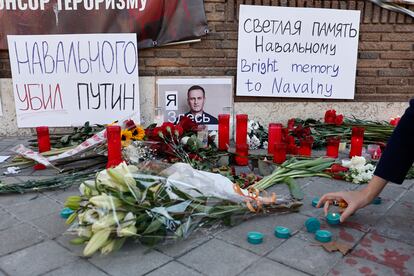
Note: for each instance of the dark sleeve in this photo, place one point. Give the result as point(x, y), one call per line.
point(398, 156)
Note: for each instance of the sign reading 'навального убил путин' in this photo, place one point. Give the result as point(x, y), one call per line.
point(297, 52)
point(66, 80)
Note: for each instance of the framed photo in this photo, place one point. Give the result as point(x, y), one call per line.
point(200, 99)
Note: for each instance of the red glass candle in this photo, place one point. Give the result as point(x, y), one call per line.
point(242, 153)
point(332, 146)
point(43, 142)
point(357, 141)
point(241, 129)
point(305, 148)
point(113, 135)
point(279, 153)
point(274, 136)
point(223, 131)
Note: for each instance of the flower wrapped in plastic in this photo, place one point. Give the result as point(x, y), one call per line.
point(127, 202)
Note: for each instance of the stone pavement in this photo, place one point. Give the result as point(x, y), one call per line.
point(33, 239)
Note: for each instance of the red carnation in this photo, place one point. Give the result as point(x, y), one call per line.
point(330, 116)
point(291, 123)
point(395, 121)
point(337, 171)
point(339, 120)
point(187, 124)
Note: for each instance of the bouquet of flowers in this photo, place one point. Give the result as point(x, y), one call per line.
point(357, 170)
point(256, 135)
point(123, 202)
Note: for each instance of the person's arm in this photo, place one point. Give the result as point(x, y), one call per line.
point(393, 166)
point(398, 156)
point(355, 199)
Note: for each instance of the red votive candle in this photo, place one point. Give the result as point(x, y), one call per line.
point(242, 153)
point(279, 153)
point(43, 142)
point(357, 141)
point(223, 131)
point(332, 146)
point(305, 148)
point(113, 135)
point(274, 136)
point(241, 129)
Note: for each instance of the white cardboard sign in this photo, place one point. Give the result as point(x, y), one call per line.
point(66, 80)
point(297, 52)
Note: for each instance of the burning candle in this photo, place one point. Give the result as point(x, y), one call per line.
point(242, 153)
point(113, 135)
point(274, 136)
point(279, 153)
point(357, 141)
point(43, 142)
point(241, 129)
point(333, 218)
point(223, 131)
point(332, 146)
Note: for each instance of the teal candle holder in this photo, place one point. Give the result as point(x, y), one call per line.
point(255, 237)
point(323, 236)
point(377, 200)
point(312, 225)
point(333, 218)
point(282, 232)
point(315, 202)
point(66, 212)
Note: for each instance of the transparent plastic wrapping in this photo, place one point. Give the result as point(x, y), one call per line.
point(154, 206)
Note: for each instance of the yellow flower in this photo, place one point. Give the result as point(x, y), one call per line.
point(138, 133)
point(126, 137)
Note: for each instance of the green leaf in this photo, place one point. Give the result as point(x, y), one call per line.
point(78, 241)
point(154, 226)
point(71, 218)
point(294, 188)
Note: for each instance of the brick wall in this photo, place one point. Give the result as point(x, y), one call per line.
point(385, 61)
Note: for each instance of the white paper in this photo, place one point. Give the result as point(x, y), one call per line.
point(66, 80)
point(297, 52)
point(3, 158)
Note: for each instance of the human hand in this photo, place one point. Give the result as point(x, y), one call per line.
point(354, 199)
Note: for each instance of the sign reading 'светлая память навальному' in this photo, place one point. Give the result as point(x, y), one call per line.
point(297, 52)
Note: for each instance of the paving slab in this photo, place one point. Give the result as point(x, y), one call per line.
point(218, 258)
point(266, 267)
point(396, 255)
point(305, 256)
point(238, 235)
point(174, 269)
point(19, 237)
point(179, 248)
point(33, 209)
point(132, 259)
point(358, 266)
point(36, 260)
point(81, 268)
point(7, 220)
point(399, 220)
point(11, 200)
point(60, 196)
point(52, 225)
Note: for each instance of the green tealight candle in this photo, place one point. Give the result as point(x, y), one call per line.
point(282, 232)
point(255, 237)
point(333, 218)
